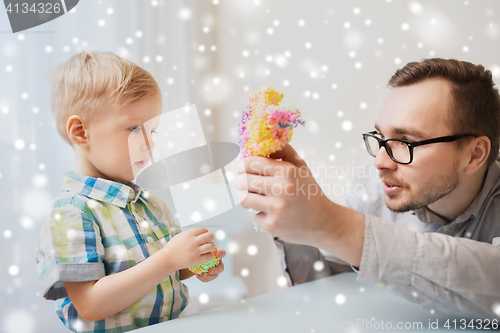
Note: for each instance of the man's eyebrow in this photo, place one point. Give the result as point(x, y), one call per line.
point(406, 131)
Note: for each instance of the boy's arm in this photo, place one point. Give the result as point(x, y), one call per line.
point(96, 300)
point(185, 274)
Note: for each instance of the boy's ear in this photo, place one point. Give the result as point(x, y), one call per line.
point(77, 131)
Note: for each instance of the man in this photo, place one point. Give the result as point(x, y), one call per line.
point(436, 240)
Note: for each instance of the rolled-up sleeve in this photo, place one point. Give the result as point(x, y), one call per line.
point(435, 270)
point(70, 248)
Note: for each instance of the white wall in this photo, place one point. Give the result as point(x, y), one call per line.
point(370, 34)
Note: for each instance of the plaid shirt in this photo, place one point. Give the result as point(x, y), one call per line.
point(98, 227)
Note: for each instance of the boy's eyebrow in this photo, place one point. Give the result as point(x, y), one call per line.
point(139, 122)
point(408, 131)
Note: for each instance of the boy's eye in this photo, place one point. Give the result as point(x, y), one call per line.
point(137, 129)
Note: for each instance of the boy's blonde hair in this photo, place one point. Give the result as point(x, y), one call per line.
point(90, 83)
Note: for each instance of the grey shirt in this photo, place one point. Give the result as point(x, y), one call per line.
point(452, 266)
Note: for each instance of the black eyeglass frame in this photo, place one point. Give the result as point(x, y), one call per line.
point(411, 145)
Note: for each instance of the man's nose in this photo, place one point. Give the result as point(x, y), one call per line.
point(383, 160)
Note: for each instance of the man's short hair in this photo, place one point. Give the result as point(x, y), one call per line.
point(475, 104)
point(91, 83)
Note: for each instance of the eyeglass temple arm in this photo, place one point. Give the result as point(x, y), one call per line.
point(449, 138)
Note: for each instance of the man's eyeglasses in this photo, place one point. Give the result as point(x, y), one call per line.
point(401, 151)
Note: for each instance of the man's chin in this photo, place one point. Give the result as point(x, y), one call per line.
point(397, 206)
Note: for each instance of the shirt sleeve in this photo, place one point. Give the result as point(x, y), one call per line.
point(70, 248)
point(435, 270)
point(297, 261)
point(303, 263)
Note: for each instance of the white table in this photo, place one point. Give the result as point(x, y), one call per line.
point(316, 307)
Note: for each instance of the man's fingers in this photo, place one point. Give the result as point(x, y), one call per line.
point(289, 154)
point(255, 201)
point(253, 183)
point(262, 166)
point(260, 220)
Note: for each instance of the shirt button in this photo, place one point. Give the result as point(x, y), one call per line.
point(379, 285)
point(165, 319)
point(446, 228)
point(150, 240)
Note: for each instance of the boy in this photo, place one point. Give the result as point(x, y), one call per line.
point(107, 247)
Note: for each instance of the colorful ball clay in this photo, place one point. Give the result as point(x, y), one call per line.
point(203, 268)
point(265, 127)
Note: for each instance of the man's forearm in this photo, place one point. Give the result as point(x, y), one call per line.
point(438, 271)
point(114, 293)
point(343, 235)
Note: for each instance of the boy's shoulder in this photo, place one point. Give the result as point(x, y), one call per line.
point(86, 194)
point(68, 201)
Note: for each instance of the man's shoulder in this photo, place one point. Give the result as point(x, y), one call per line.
point(491, 185)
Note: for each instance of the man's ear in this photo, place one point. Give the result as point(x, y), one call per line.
point(77, 131)
point(481, 147)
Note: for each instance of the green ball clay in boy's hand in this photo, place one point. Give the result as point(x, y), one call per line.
point(203, 268)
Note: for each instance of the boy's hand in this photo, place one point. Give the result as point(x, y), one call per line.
point(189, 248)
point(215, 271)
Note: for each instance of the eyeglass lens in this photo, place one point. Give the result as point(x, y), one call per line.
point(398, 150)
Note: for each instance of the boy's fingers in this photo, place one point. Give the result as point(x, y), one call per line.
point(207, 248)
point(216, 270)
point(206, 257)
point(206, 279)
point(198, 231)
point(221, 253)
point(204, 238)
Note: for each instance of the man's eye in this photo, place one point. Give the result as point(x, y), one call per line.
point(154, 132)
point(406, 139)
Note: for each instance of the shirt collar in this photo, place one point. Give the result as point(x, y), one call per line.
point(101, 189)
point(492, 177)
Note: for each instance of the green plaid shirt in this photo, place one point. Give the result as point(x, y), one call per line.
point(97, 227)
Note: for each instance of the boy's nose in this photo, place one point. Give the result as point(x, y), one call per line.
point(149, 143)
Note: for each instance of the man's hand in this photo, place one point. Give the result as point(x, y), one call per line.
point(215, 271)
point(293, 207)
